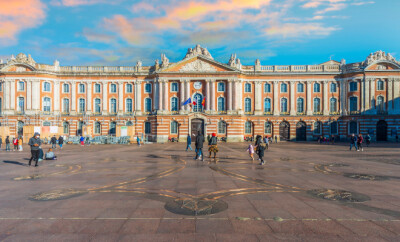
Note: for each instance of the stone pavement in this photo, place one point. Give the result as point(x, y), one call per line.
point(157, 192)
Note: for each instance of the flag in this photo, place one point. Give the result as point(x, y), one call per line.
point(187, 101)
point(194, 103)
point(204, 101)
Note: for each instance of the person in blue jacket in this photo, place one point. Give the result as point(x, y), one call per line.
point(189, 143)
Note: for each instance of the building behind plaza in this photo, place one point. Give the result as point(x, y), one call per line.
point(292, 102)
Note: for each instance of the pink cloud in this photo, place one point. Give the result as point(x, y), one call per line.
point(288, 30)
point(17, 15)
point(73, 3)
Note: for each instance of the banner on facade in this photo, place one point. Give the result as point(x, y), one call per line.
point(54, 129)
point(124, 131)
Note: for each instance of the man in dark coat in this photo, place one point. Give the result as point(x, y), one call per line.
point(1, 142)
point(189, 143)
point(8, 143)
point(35, 144)
point(199, 146)
point(53, 142)
point(60, 141)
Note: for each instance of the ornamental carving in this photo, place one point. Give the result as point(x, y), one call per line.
point(198, 50)
point(379, 56)
point(198, 66)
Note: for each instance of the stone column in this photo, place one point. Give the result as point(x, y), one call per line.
point(155, 95)
point(326, 98)
point(396, 96)
point(235, 95)
point(188, 94)
point(166, 96)
point(239, 96)
point(362, 96)
point(373, 100)
point(12, 95)
point(160, 94)
point(182, 98)
point(390, 95)
point(56, 95)
point(6, 96)
point(257, 98)
point(89, 97)
point(120, 97)
point(138, 97)
point(309, 101)
point(105, 98)
point(36, 90)
point(292, 98)
point(29, 95)
point(367, 99)
point(229, 96)
point(208, 96)
point(276, 98)
point(213, 94)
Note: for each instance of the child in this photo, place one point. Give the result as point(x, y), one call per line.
point(250, 149)
point(50, 155)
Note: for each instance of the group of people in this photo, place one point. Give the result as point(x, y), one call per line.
point(37, 152)
point(259, 148)
point(326, 140)
point(199, 144)
point(357, 141)
point(17, 143)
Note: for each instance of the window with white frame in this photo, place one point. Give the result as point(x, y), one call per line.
point(129, 105)
point(353, 86)
point(113, 105)
point(353, 127)
point(147, 88)
point(300, 87)
point(317, 105)
point(46, 87)
point(284, 105)
point(65, 88)
point(97, 127)
point(247, 87)
point(97, 88)
point(147, 105)
point(267, 88)
point(174, 87)
point(247, 105)
point(221, 127)
point(380, 102)
point(221, 87)
point(97, 105)
point(65, 127)
point(317, 87)
point(46, 104)
point(283, 87)
point(334, 127)
point(221, 104)
point(174, 127)
point(113, 88)
point(333, 87)
point(174, 104)
point(268, 128)
point(21, 86)
point(81, 88)
point(82, 105)
point(317, 127)
point(21, 104)
point(267, 105)
point(129, 88)
point(380, 85)
point(300, 105)
point(248, 127)
point(147, 127)
point(333, 104)
point(65, 105)
point(353, 104)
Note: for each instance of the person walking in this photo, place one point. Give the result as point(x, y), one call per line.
point(82, 140)
point(359, 142)
point(60, 141)
point(368, 140)
point(257, 144)
point(266, 141)
point(53, 142)
point(250, 149)
point(20, 144)
point(276, 139)
point(212, 145)
point(199, 146)
point(353, 140)
point(35, 144)
point(138, 140)
point(8, 148)
point(189, 143)
point(15, 143)
point(1, 141)
point(260, 153)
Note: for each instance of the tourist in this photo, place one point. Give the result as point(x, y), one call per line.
point(1, 141)
point(60, 141)
point(213, 147)
point(87, 141)
point(359, 143)
point(250, 149)
point(199, 146)
point(20, 144)
point(189, 143)
point(53, 142)
point(41, 154)
point(276, 139)
point(50, 155)
point(266, 141)
point(138, 140)
point(257, 144)
point(82, 140)
point(35, 143)
point(15, 143)
point(8, 148)
point(397, 138)
point(353, 140)
point(333, 139)
point(260, 153)
point(368, 140)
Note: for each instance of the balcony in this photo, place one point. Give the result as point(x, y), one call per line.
point(300, 113)
point(45, 113)
point(175, 112)
point(355, 112)
point(268, 113)
point(317, 113)
point(222, 112)
point(248, 113)
point(97, 113)
point(334, 113)
point(65, 113)
point(20, 112)
point(284, 113)
point(112, 113)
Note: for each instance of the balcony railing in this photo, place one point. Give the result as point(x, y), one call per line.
point(175, 112)
point(248, 113)
point(355, 112)
point(317, 113)
point(268, 113)
point(221, 112)
point(20, 112)
point(300, 113)
point(65, 113)
point(334, 113)
point(284, 113)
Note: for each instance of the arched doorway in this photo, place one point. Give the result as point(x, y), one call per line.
point(381, 131)
point(301, 131)
point(198, 99)
point(113, 129)
point(284, 130)
point(196, 126)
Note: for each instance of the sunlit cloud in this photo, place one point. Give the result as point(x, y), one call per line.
point(289, 30)
point(73, 3)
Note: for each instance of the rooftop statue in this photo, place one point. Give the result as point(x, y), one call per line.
point(198, 50)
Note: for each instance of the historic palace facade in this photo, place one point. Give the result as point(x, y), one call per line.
point(294, 102)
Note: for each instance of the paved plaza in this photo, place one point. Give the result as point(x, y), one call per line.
point(157, 192)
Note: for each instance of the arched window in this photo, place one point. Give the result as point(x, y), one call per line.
point(21, 86)
point(333, 87)
point(113, 88)
point(317, 105)
point(147, 105)
point(65, 88)
point(174, 127)
point(380, 86)
point(267, 105)
point(247, 87)
point(221, 87)
point(129, 123)
point(46, 104)
point(334, 127)
point(129, 88)
point(268, 128)
point(284, 106)
point(46, 87)
point(221, 104)
point(247, 105)
point(82, 105)
point(81, 88)
point(300, 105)
point(317, 127)
point(97, 127)
point(353, 127)
point(174, 104)
point(147, 127)
point(248, 126)
point(300, 87)
point(333, 104)
point(353, 104)
point(65, 127)
point(128, 106)
point(97, 88)
point(317, 87)
point(97, 105)
point(65, 105)
point(380, 103)
point(283, 87)
point(221, 127)
point(113, 105)
point(267, 87)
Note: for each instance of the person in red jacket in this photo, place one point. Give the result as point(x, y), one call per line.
point(359, 142)
point(15, 143)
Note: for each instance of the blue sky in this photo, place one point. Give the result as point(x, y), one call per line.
point(278, 32)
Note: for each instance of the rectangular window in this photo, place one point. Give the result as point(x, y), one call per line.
point(174, 87)
point(129, 88)
point(81, 88)
point(300, 87)
point(65, 88)
point(1, 87)
point(221, 87)
point(147, 88)
point(353, 86)
point(97, 88)
point(21, 86)
point(267, 88)
point(147, 128)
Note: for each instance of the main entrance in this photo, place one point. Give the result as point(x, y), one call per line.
point(381, 131)
point(196, 126)
point(284, 130)
point(301, 131)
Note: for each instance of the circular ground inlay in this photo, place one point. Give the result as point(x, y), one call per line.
point(338, 195)
point(194, 207)
point(366, 177)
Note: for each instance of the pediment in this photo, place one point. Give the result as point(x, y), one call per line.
point(198, 64)
point(18, 67)
point(383, 65)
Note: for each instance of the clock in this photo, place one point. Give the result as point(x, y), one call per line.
point(197, 85)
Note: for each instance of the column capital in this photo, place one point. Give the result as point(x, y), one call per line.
point(275, 82)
